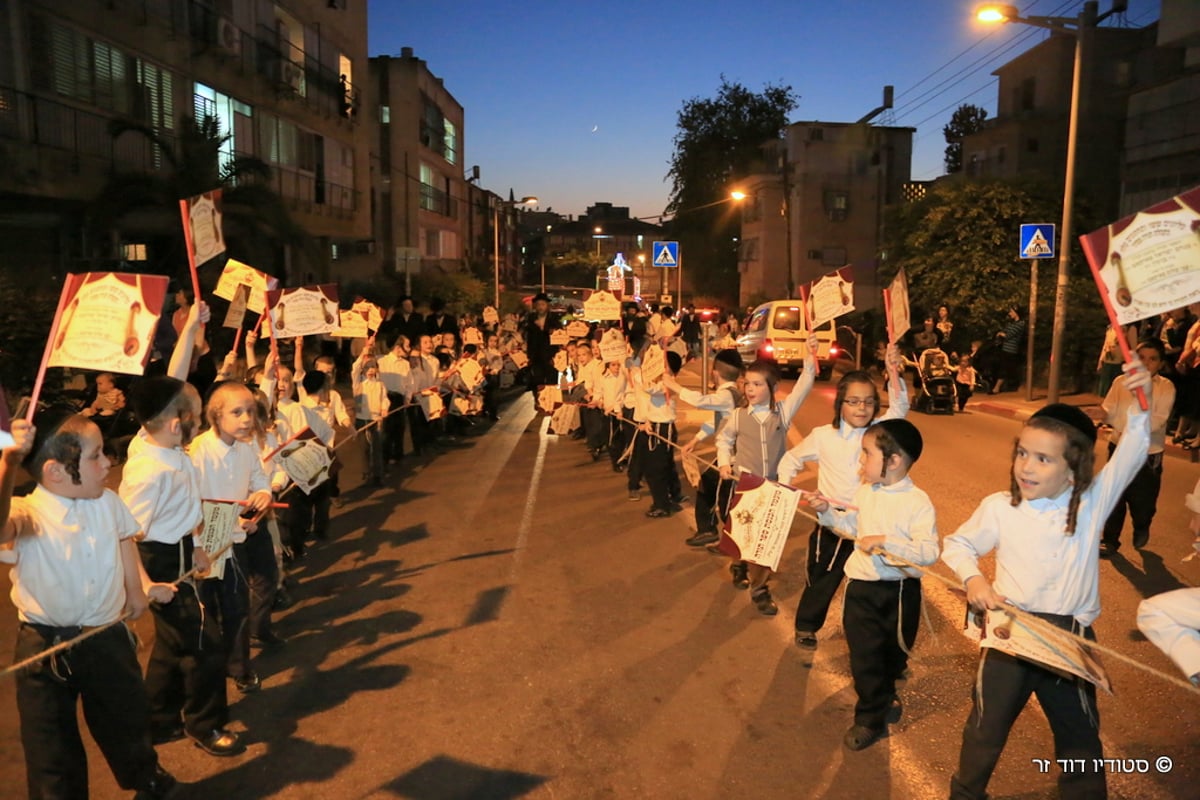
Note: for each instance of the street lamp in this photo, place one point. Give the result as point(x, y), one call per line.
point(1088, 18)
point(597, 231)
point(524, 201)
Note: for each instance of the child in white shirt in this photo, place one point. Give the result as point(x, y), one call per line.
point(371, 407)
point(1045, 530)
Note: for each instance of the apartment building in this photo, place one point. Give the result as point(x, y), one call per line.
point(282, 78)
point(1028, 135)
point(1162, 129)
point(421, 204)
point(836, 179)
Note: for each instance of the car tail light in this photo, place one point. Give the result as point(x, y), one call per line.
point(768, 346)
point(834, 350)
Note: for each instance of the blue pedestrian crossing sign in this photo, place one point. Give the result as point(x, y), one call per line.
point(1037, 240)
point(666, 254)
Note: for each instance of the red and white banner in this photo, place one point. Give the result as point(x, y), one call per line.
point(106, 321)
point(303, 311)
point(202, 227)
point(1148, 263)
point(760, 519)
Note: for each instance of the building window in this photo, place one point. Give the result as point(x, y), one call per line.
point(133, 252)
point(1031, 145)
point(837, 205)
point(1028, 94)
point(385, 115)
point(450, 142)
point(433, 243)
point(748, 250)
point(816, 134)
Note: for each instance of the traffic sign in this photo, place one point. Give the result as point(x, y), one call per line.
point(666, 254)
point(1037, 240)
point(666, 298)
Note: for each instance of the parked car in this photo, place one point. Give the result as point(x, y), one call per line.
point(775, 332)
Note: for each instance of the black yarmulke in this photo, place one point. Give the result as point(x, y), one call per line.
point(1069, 415)
point(46, 423)
point(904, 434)
point(152, 396)
point(731, 357)
point(674, 362)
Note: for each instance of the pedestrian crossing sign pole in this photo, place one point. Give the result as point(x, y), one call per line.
point(1037, 242)
point(665, 255)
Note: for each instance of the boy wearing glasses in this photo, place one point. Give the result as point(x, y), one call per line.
point(836, 448)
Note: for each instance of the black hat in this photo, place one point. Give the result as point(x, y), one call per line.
point(541, 296)
point(314, 381)
point(152, 396)
point(905, 435)
point(1071, 416)
point(674, 362)
point(46, 423)
point(731, 357)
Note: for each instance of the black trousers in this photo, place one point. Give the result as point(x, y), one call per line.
point(262, 578)
point(1069, 705)
point(876, 614)
point(827, 554)
point(101, 671)
point(964, 394)
point(186, 671)
point(308, 513)
point(393, 427)
point(713, 496)
point(422, 431)
point(618, 437)
point(637, 458)
point(1140, 498)
point(595, 429)
point(658, 458)
point(228, 597)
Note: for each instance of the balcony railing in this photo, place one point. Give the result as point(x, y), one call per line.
point(58, 126)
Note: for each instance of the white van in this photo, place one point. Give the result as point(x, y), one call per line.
point(775, 332)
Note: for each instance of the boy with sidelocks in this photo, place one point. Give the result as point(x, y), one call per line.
point(76, 568)
point(883, 596)
point(836, 449)
point(1046, 533)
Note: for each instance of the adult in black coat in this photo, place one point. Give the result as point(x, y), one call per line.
point(536, 328)
point(438, 321)
point(404, 320)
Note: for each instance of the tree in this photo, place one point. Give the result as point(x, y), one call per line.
point(718, 141)
point(257, 224)
point(958, 247)
point(967, 119)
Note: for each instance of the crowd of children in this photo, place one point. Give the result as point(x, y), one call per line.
point(146, 546)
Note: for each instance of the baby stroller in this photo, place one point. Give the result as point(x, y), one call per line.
point(937, 394)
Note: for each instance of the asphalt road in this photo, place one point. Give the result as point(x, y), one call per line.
point(501, 622)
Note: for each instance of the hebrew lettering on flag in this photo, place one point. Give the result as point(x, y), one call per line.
point(831, 296)
point(1057, 652)
point(760, 519)
point(202, 226)
point(898, 308)
point(1146, 264)
point(303, 311)
point(108, 321)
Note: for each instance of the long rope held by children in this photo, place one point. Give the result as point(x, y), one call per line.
point(1033, 624)
point(62, 647)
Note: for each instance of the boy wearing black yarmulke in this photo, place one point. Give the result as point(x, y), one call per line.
point(882, 607)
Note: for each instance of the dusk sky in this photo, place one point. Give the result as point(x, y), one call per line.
point(576, 103)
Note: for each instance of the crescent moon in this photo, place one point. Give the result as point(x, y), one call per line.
point(595, 128)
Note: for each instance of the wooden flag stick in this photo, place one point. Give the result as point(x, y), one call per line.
point(1126, 353)
point(191, 250)
point(54, 326)
point(887, 311)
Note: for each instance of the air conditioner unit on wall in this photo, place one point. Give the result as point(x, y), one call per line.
point(291, 75)
point(229, 38)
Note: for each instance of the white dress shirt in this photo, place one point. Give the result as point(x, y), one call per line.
point(1039, 567)
point(227, 471)
point(395, 372)
point(836, 451)
point(1119, 399)
point(162, 490)
point(904, 515)
point(68, 558)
